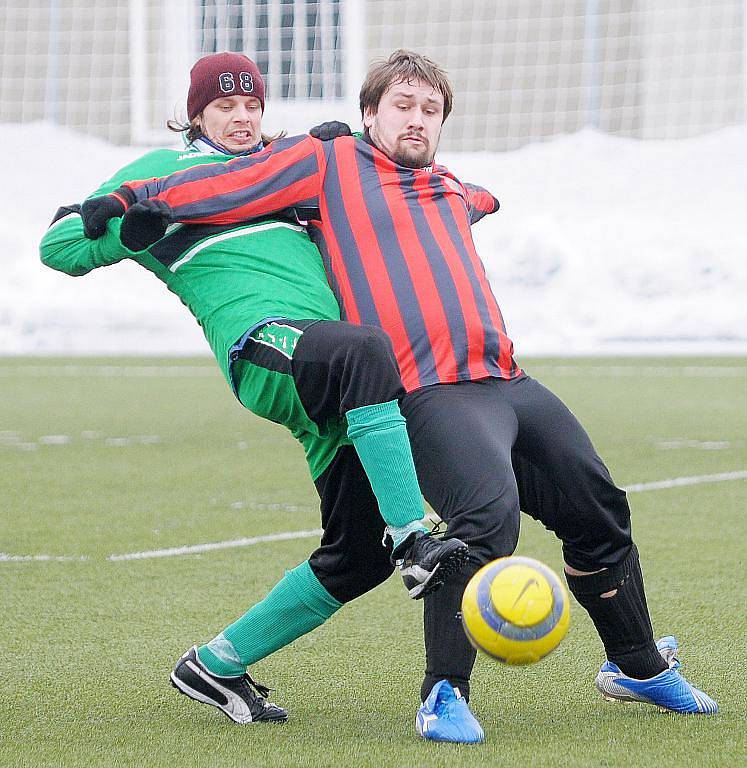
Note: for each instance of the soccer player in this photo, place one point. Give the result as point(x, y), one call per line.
point(261, 296)
point(488, 440)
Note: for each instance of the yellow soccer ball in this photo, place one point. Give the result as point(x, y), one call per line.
point(516, 610)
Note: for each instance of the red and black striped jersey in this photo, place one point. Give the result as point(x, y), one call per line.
point(396, 242)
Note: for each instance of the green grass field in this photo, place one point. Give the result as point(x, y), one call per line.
point(110, 457)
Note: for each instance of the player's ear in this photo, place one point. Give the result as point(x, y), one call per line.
point(368, 117)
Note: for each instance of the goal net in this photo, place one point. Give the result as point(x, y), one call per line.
point(522, 70)
point(525, 71)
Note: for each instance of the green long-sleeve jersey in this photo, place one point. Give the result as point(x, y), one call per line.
point(231, 278)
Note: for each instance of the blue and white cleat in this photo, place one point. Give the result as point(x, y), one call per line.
point(668, 690)
point(445, 716)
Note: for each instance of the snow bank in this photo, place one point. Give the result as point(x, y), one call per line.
point(602, 245)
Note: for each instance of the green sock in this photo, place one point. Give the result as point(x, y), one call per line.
point(379, 435)
point(297, 604)
point(399, 534)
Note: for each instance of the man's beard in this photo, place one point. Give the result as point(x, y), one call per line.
point(411, 158)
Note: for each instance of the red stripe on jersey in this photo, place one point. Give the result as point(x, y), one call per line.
point(282, 198)
point(373, 262)
point(505, 362)
point(472, 321)
point(237, 179)
point(421, 273)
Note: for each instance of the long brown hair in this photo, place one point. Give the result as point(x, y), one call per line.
point(403, 67)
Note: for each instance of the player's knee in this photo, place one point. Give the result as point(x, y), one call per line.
point(370, 367)
point(605, 538)
point(606, 549)
point(501, 540)
point(347, 578)
point(372, 346)
point(497, 537)
point(491, 527)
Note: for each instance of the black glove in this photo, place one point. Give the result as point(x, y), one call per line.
point(144, 224)
point(96, 212)
point(330, 130)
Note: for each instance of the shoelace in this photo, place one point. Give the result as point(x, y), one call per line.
point(670, 656)
point(262, 690)
point(247, 681)
point(438, 528)
point(443, 707)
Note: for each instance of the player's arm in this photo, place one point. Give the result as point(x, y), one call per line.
point(480, 202)
point(285, 175)
point(65, 245)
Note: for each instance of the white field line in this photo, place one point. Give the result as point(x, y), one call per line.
point(6, 558)
point(109, 371)
point(656, 485)
point(676, 482)
point(644, 371)
point(198, 548)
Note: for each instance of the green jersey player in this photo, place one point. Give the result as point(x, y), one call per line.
point(260, 293)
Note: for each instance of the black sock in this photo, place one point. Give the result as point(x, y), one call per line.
point(622, 619)
point(448, 653)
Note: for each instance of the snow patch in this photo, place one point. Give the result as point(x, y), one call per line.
point(602, 245)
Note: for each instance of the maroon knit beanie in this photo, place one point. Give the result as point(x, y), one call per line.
point(223, 74)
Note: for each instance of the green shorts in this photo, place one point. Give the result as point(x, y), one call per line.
point(262, 374)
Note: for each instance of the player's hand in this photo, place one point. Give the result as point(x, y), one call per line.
point(96, 212)
point(145, 223)
point(330, 130)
